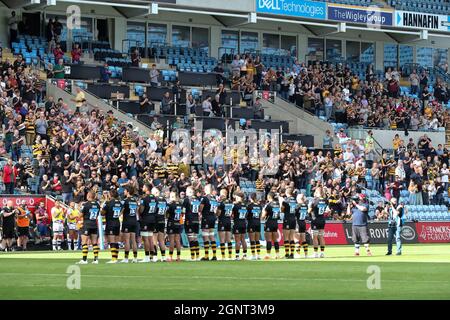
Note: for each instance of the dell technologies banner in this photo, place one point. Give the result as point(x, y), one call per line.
point(294, 8)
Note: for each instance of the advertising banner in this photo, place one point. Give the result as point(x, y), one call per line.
point(294, 8)
point(334, 233)
point(420, 20)
point(433, 232)
point(378, 232)
point(32, 201)
point(371, 16)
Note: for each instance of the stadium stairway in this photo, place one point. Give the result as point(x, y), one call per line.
point(300, 121)
point(98, 104)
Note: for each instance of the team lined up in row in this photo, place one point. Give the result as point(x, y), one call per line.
point(157, 217)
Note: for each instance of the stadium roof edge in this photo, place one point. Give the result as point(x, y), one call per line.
point(176, 8)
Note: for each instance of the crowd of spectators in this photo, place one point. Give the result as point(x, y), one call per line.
point(75, 150)
point(338, 94)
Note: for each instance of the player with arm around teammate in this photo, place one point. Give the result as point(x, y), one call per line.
point(192, 222)
point(301, 215)
point(271, 215)
point(317, 211)
point(147, 220)
point(112, 210)
point(90, 211)
point(288, 207)
point(129, 224)
point(160, 228)
point(174, 216)
point(254, 226)
point(224, 213)
point(208, 208)
point(239, 215)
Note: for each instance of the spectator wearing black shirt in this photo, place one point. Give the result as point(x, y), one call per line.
point(67, 186)
point(217, 106)
point(222, 92)
point(135, 58)
point(57, 29)
point(145, 103)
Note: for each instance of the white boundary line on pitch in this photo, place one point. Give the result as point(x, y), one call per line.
point(219, 278)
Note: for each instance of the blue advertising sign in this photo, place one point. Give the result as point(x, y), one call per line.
point(371, 15)
point(295, 8)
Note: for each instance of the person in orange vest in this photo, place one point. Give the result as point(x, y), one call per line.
point(23, 225)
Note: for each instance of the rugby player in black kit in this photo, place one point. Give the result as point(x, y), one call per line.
point(271, 214)
point(239, 215)
point(129, 224)
point(302, 215)
point(317, 211)
point(112, 209)
point(90, 211)
point(192, 223)
point(288, 207)
point(208, 207)
point(224, 212)
point(147, 221)
point(160, 236)
point(254, 226)
point(174, 216)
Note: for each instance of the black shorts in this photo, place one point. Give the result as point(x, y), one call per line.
point(146, 226)
point(301, 226)
point(129, 228)
point(192, 227)
point(271, 226)
point(173, 229)
point(208, 222)
point(239, 228)
point(289, 224)
point(160, 227)
point(23, 231)
point(318, 224)
point(8, 232)
point(112, 230)
point(254, 227)
point(224, 226)
point(89, 230)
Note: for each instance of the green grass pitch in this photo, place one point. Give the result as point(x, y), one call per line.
point(422, 272)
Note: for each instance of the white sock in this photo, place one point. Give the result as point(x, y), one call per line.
point(357, 248)
point(54, 244)
point(367, 247)
point(58, 244)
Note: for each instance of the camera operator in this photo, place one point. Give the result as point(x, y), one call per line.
point(358, 209)
point(396, 213)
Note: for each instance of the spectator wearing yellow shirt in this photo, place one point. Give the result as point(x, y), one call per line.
point(428, 111)
point(396, 142)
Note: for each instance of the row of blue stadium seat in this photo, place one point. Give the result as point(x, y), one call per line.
point(428, 6)
point(169, 75)
point(428, 216)
point(172, 60)
point(194, 68)
point(363, 3)
point(121, 62)
point(116, 72)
